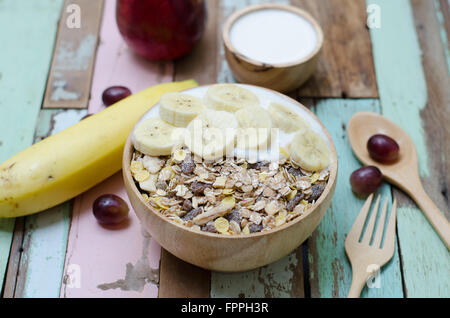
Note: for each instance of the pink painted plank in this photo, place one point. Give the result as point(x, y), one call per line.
point(105, 262)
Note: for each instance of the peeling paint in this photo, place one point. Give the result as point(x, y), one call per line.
point(137, 275)
point(60, 120)
point(78, 58)
point(60, 92)
point(273, 280)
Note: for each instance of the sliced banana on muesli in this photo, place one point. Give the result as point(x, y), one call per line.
point(179, 109)
point(286, 119)
point(155, 137)
point(229, 97)
point(254, 129)
point(211, 135)
point(309, 150)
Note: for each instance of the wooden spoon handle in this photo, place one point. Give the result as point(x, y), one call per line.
point(431, 211)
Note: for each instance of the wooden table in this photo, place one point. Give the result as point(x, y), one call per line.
point(400, 70)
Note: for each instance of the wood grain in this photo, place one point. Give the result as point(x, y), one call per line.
point(23, 73)
point(12, 272)
point(345, 68)
point(413, 104)
point(271, 280)
point(44, 235)
point(330, 271)
point(69, 81)
point(178, 279)
point(281, 279)
point(444, 8)
point(436, 114)
point(199, 64)
point(119, 262)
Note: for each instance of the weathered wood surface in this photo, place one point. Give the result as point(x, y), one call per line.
point(178, 278)
point(442, 8)
point(329, 269)
point(345, 69)
point(69, 81)
point(412, 103)
point(100, 261)
point(44, 236)
point(419, 103)
point(9, 286)
point(396, 53)
point(24, 63)
point(429, 276)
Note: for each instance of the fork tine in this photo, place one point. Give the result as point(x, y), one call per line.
point(389, 239)
point(355, 231)
point(369, 229)
point(380, 226)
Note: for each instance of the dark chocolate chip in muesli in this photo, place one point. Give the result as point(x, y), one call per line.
point(317, 190)
point(295, 172)
point(199, 187)
point(192, 214)
point(209, 227)
point(255, 228)
point(294, 201)
point(258, 165)
point(187, 205)
point(234, 215)
point(187, 166)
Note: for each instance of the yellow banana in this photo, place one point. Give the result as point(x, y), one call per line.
point(70, 162)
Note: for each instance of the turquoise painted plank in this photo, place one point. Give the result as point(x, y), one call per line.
point(330, 270)
point(46, 233)
point(400, 77)
point(403, 95)
point(276, 280)
point(443, 32)
point(27, 30)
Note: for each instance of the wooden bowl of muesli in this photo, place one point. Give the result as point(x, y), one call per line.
point(230, 214)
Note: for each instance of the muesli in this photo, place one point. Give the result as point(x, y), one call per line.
point(213, 190)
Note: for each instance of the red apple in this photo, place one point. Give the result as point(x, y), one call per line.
point(161, 29)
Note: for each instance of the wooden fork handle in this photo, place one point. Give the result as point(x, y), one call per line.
point(359, 279)
point(431, 211)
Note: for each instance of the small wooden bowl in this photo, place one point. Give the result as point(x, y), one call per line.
point(231, 253)
point(282, 77)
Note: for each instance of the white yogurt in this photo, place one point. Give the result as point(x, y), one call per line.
point(266, 97)
point(273, 36)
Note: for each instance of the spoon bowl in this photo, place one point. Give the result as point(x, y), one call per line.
point(404, 172)
point(364, 125)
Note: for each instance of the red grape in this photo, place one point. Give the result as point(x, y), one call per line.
point(366, 180)
point(114, 94)
point(383, 148)
point(110, 209)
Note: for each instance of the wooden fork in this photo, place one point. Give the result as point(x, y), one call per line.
point(367, 258)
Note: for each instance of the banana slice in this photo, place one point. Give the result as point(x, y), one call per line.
point(155, 137)
point(254, 127)
point(179, 109)
point(211, 134)
point(229, 97)
point(309, 150)
point(286, 119)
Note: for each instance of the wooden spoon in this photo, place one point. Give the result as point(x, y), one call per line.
point(403, 173)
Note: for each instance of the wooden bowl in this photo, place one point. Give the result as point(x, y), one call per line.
point(231, 253)
point(282, 77)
